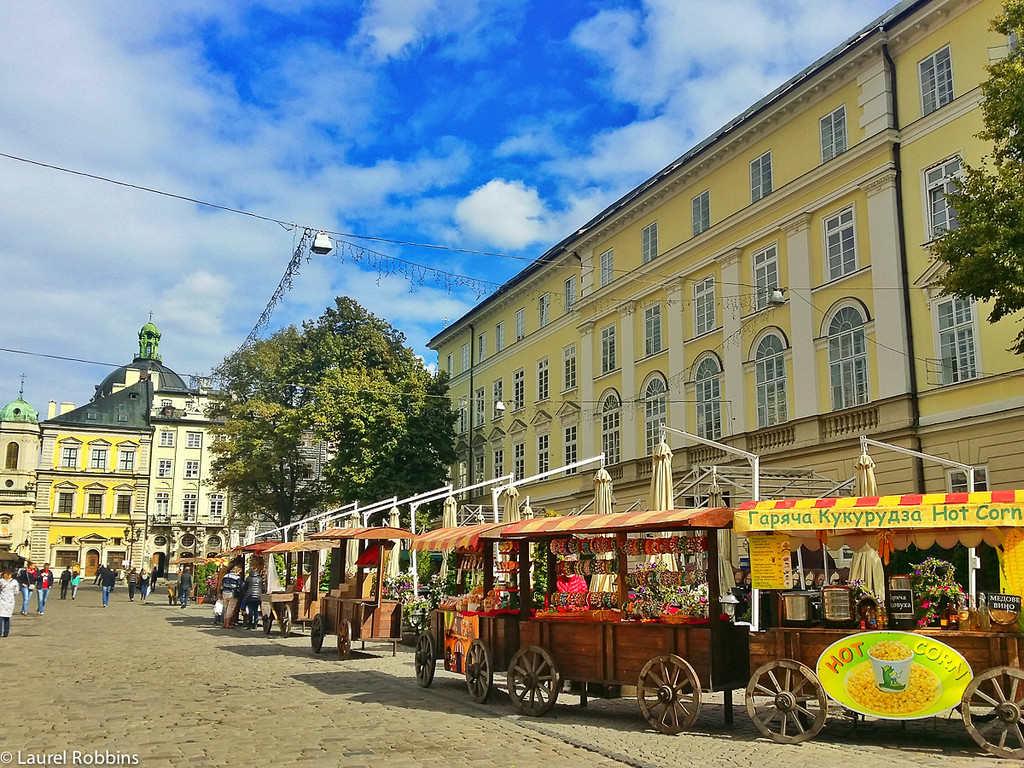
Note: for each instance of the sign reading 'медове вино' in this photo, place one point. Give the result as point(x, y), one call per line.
point(840, 516)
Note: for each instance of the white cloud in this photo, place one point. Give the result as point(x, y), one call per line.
point(507, 214)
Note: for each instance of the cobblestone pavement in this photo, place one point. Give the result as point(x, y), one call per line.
point(165, 685)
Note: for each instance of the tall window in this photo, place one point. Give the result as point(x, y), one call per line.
point(126, 461)
point(189, 507)
point(499, 337)
point(655, 409)
point(607, 262)
point(94, 503)
point(571, 448)
point(478, 467)
point(216, 507)
point(770, 367)
point(520, 324)
point(98, 458)
point(569, 368)
point(610, 429)
point(519, 460)
point(497, 391)
point(65, 502)
point(833, 134)
point(956, 340)
point(542, 379)
point(941, 181)
point(193, 439)
point(450, 367)
point(69, 457)
point(847, 359)
point(480, 416)
point(163, 468)
point(481, 347)
point(700, 208)
point(761, 177)
point(709, 399)
point(166, 439)
point(840, 245)
point(499, 462)
point(766, 276)
point(11, 461)
point(570, 293)
point(518, 390)
point(543, 455)
point(704, 305)
point(649, 242)
point(652, 330)
point(192, 468)
point(463, 416)
point(608, 349)
point(163, 503)
point(124, 504)
point(465, 357)
point(544, 309)
point(936, 81)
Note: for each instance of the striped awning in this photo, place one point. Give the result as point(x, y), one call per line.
point(459, 537)
point(621, 522)
point(256, 547)
point(300, 546)
point(374, 533)
point(931, 511)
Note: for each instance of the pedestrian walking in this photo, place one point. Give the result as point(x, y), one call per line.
point(184, 586)
point(27, 583)
point(8, 589)
point(232, 589)
point(44, 580)
point(76, 579)
point(133, 582)
point(108, 578)
point(253, 592)
point(65, 582)
point(144, 580)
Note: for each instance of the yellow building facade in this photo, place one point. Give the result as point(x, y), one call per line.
point(772, 289)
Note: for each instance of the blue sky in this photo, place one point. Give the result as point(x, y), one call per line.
point(496, 126)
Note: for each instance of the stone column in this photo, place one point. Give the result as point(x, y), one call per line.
point(585, 379)
point(627, 364)
point(676, 416)
point(733, 351)
point(802, 321)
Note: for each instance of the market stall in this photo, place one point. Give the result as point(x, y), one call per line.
point(920, 650)
point(356, 609)
point(299, 600)
point(476, 632)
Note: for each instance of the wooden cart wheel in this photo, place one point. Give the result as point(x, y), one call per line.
point(479, 672)
point(344, 638)
point(533, 680)
point(796, 706)
point(316, 633)
point(268, 623)
point(286, 620)
point(993, 711)
point(425, 659)
point(668, 692)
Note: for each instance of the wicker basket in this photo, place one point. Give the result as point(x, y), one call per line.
point(676, 618)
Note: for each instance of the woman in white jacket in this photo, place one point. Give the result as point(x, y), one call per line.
point(8, 589)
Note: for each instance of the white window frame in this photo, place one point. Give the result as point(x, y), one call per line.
point(480, 406)
point(481, 347)
point(69, 457)
point(570, 293)
point(164, 468)
point(163, 503)
point(935, 75)
point(655, 411)
point(940, 180)
point(465, 357)
point(652, 330)
point(771, 382)
point(193, 439)
point(97, 508)
point(704, 314)
point(569, 368)
point(498, 461)
point(544, 309)
point(543, 453)
point(608, 351)
point(126, 460)
point(761, 176)
point(98, 458)
point(69, 496)
point(216, 507)
point(832, 129)
point(956, 480)
point(849, 382)
point(190, 507)
point(166, 438)
point(607, 266)
point(519, 460)
point(957, 344)
point(497, 391)
point(571, 445)
point(451, 364)
point(649, 243)
point(840, 244)
point(708, 394)
point(700, 212)
point(520, 324)
point(499, 336)
point(611, 441)
point(543, 379)
point(519, 390)
point(766, 275)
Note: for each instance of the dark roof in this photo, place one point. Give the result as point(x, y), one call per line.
point(125, 409)
point(169, 380)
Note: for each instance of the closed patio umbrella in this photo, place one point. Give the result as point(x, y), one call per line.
point(726, 575)
point(511, 507)
point(661, 494)
point(391, 561)
point(449, 519)
point(866, 563)
point(603, 506)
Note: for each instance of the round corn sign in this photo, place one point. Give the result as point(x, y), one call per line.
point(894, 675)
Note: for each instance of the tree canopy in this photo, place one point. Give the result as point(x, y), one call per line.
point(345, 381)
point(985, 252)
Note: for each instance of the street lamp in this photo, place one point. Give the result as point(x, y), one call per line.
point(131, 535)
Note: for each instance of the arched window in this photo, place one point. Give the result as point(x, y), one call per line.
point(770, 367)
point(847, 359)
point(610, 429)
point(655, 408)
point(709, 399)
point(12, 456)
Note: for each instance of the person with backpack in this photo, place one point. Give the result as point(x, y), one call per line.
point(108, 578)
point(253, 592)
point(184, 587)
point(133, 582)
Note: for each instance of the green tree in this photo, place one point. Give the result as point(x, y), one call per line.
point(985, 252)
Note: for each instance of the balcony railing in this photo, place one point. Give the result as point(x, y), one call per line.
point(160, 519)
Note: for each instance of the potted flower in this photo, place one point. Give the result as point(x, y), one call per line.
point(935, 590)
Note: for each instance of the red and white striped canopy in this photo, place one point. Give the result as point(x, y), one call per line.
point(620, 522)
point(459, 537)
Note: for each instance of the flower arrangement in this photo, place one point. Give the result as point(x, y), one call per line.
point(860, 590)
point(693, 600)
point(935, 589)
point(649, 595)
point(399, 588)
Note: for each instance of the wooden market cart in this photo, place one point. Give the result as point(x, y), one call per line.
point(473, 643)
point(785, 697)
point(294, 606)
point(356, 610)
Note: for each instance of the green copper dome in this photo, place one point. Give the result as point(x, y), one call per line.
point(18, 410)
point(149, 342)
